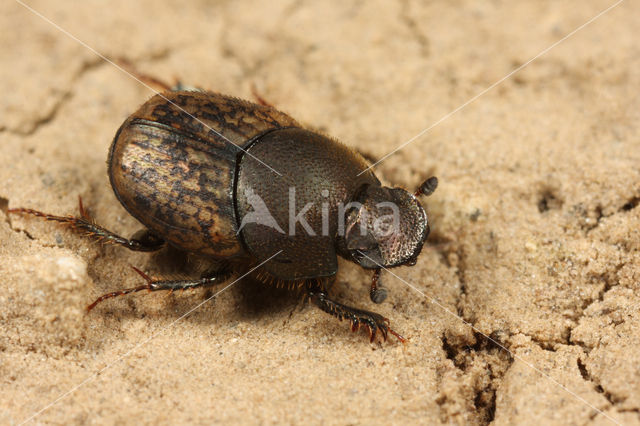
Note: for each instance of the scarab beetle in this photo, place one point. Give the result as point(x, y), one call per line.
point(240, 183)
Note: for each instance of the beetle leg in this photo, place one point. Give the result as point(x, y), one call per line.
point(158, 284)
point(147, 79)
point(151, 81)
point(358, 317)
point(140, 241)
point(259, 99)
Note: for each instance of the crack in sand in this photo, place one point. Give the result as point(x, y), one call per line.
point(48, 117)
point(229, 52)
point(597, 386)
point(4, 207)
point(460, 271)
point(598, 210)
point(66, 95)
point(466, 356)
point(609, 278)
point(472, 360)
point(414, 29)
point(610, 282)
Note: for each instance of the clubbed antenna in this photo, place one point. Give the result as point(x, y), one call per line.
point(378, 293)
point(427, 187)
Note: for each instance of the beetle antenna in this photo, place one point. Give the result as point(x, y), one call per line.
point(377, 293)
point(427, 187)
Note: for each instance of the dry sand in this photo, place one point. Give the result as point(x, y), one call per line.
point(536, 224)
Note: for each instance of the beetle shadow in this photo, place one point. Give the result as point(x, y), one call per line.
point(253, 299)
point(258, 300)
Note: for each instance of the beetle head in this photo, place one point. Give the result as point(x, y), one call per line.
point(386, 228)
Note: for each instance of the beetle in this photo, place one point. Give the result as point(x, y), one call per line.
point(220, 178)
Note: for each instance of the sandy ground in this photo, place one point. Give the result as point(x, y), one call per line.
point(535, 239)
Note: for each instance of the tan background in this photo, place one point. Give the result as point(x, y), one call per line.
point(535, 224)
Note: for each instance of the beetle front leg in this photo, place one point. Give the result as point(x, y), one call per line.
point(158, 284)
point(143, 240)
point(358, 317)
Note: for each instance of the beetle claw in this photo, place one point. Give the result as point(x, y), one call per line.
point(146, 277)
point(375, 325)
point(383, 330)
point(398, 336)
